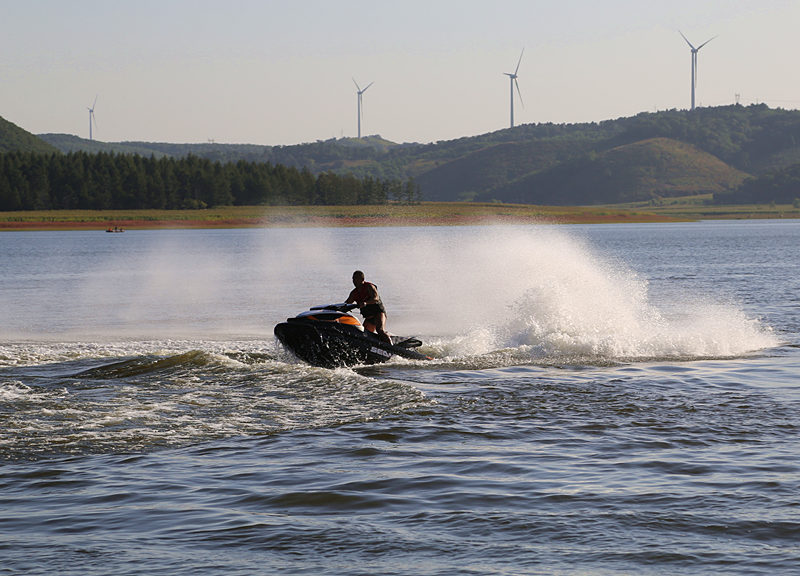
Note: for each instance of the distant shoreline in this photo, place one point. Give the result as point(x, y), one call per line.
point(424, 214)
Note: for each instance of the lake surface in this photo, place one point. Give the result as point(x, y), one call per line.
point(608, 399)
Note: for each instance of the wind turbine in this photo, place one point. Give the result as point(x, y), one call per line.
point(513, 80)
point(694, 62)
point(360, 94)
point(92, 119)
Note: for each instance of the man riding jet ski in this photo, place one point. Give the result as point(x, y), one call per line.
point(329, 337)
point(365, 295)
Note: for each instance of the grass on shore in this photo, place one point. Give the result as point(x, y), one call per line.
point(424, 214)
point(701, 208)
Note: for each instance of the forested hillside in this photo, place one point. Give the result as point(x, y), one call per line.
point(644, 170)
point(342, 156)
point(780, 186)
point(79, 180)
point(596, 163)
point(539, 162)
point(738, 154)
point(14, 138)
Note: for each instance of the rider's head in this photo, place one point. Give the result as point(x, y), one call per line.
point(358, 277)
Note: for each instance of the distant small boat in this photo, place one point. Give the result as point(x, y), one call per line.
point(115, 229)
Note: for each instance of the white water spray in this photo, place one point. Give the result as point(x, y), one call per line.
point(547, 294)
point(530, 292)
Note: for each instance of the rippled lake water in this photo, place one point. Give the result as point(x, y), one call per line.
point(608, 399)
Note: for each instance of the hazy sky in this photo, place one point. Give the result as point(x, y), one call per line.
point(280, 72)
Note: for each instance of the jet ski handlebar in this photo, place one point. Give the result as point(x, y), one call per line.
point(341, 307)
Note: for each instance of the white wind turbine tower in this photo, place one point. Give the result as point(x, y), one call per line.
point(694, 62)
point(513, 79)
point(92, 119)
point(360, 94)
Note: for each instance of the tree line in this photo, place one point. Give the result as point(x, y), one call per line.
point(104, 181)
point(776, 187)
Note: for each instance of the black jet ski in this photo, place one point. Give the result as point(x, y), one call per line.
point(329, 337)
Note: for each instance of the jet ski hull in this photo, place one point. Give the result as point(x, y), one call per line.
point(333, 345)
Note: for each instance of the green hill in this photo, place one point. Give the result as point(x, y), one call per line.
point(558, 164)
point(15, 139)
point(68, 143)
point(474, 174)
point(334, 155)
point(644, 170)
point(780, 186)
point(670, 153)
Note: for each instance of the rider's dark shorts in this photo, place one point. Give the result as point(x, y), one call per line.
point(372, 310)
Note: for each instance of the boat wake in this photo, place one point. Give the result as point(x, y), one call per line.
point(143, 403)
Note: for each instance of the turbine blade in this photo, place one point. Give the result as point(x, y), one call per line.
point(368, 85)
point(519, 93)
point(95, 97)
point(706, 42)
point(519, 61)
point(687, 40)
point(357, 86)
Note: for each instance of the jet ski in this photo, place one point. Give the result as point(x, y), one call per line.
point(329, 337)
